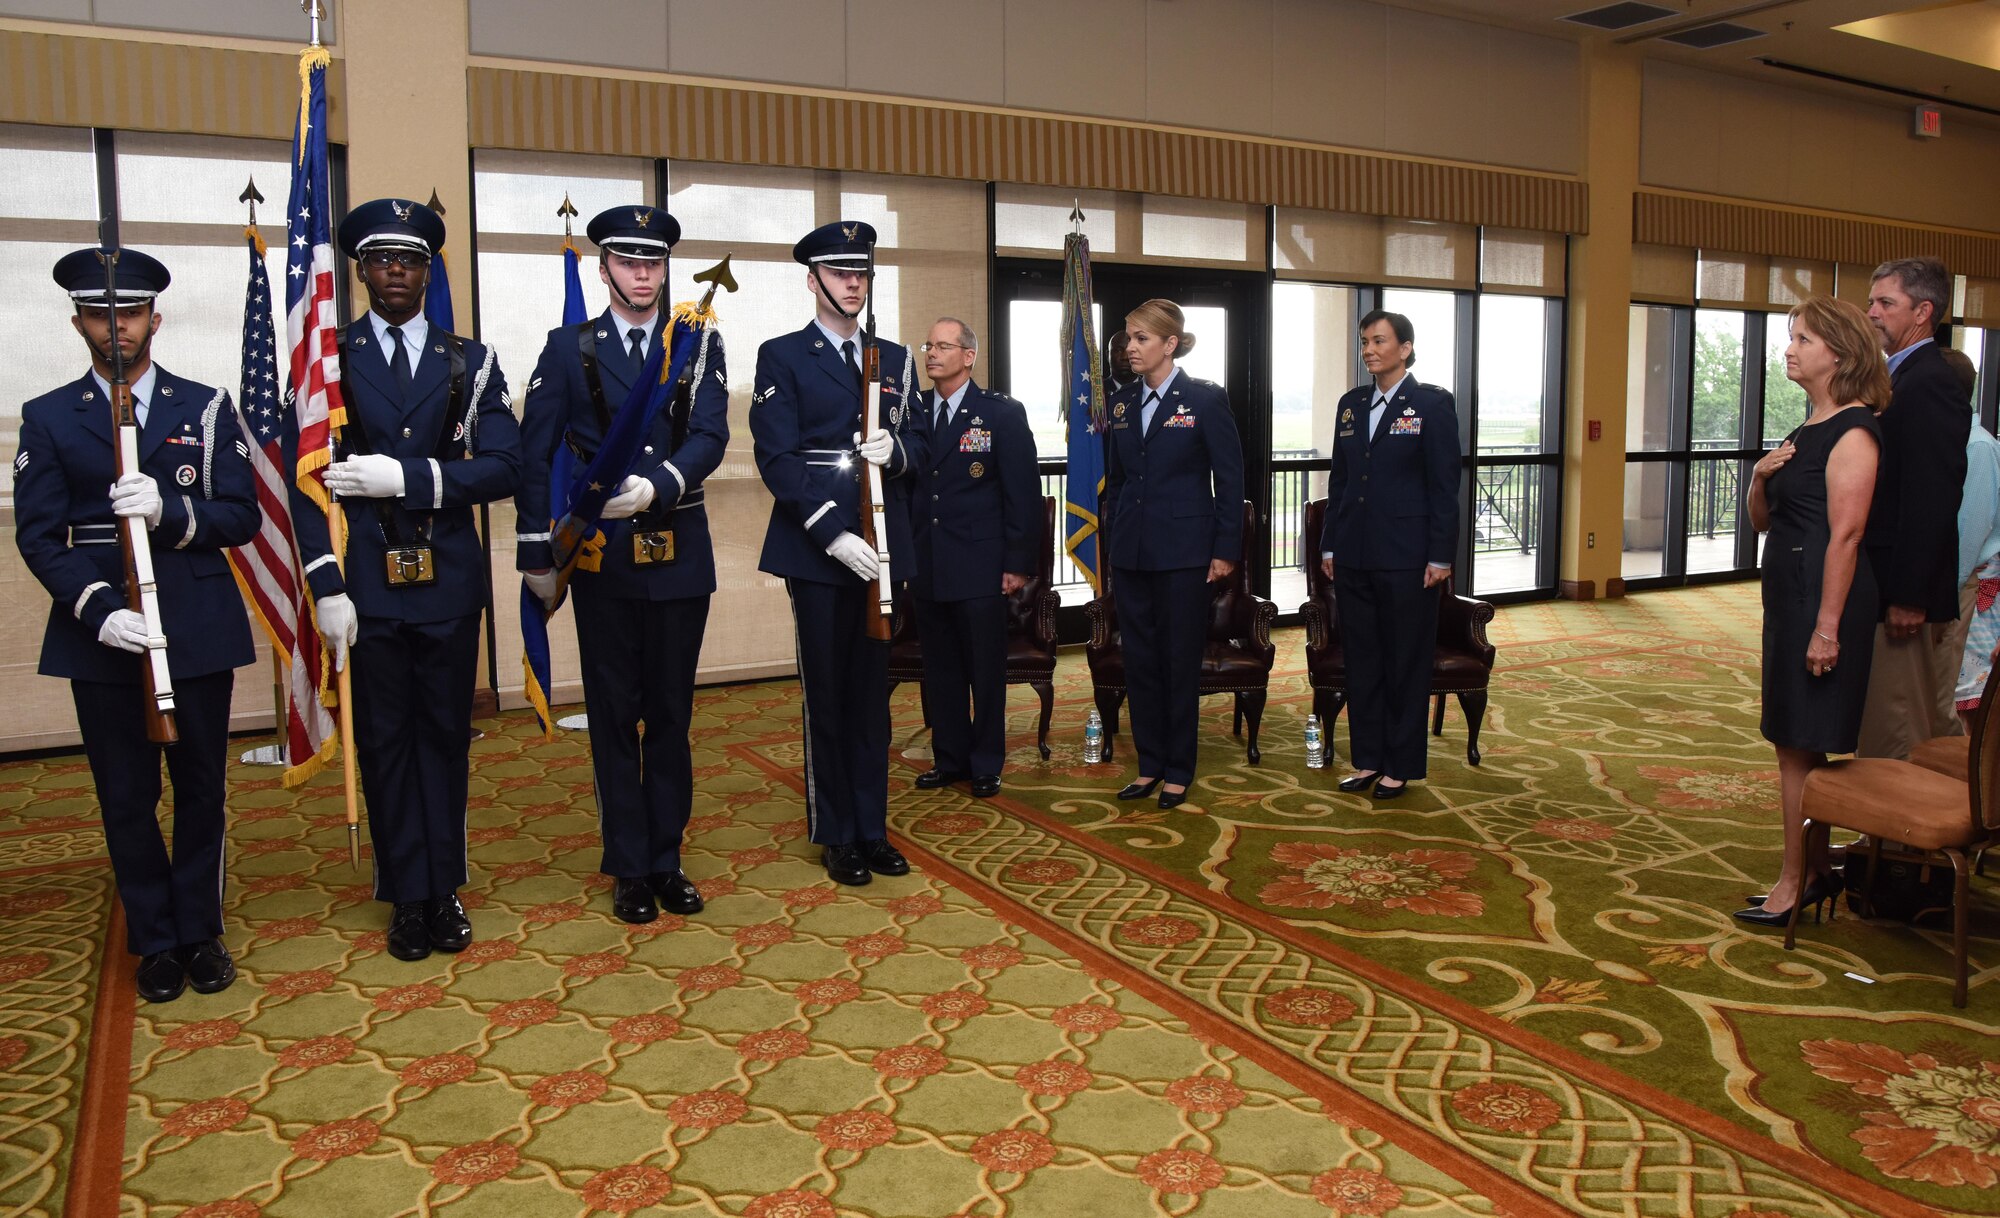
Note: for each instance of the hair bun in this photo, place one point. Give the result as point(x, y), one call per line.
point(1186, 345)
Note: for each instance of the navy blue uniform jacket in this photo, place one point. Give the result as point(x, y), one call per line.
point(972, 526)
point(804, 414)
point(1173, 496)
point(446, 491)
point(192, 447)
point(1393, 501)
point(559, 405)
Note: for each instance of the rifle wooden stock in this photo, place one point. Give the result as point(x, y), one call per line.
point(874, 509)
point(142, 594)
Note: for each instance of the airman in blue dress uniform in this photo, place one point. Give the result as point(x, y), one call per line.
point(430, 435)
point(196, 494)
point(641, 614)
point(977, 518)
point(804, 419)
point(1391, 528)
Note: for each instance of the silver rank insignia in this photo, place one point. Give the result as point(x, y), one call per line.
point(1408, 411)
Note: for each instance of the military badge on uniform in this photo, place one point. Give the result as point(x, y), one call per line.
point(1179, 418)
point(976, 440)
point(1407, 427)
point(1408, 411)
point(457, 432)
point(184, 475)
point(977, 470)
point(401, 208)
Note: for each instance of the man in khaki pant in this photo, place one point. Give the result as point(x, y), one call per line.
point(1912, 537)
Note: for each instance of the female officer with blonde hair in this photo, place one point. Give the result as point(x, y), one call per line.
point(1173, 506)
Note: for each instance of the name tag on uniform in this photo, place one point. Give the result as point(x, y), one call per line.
point(1179, 420)
point(976, 440)
point(1407, 427)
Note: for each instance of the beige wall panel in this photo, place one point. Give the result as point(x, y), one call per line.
point(799, 42)
point(1329, 72)
point(235, 18)
point(616, 33)
point(951, 49)
point(1723, 135)
point(53, 10)
point(1210, 64)
point(1082, 58)
point(1477, 93)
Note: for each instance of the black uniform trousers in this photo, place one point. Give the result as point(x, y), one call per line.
point(639, 659)
point(1388, 621)
point(965, 645)
point(844, 680)
point(170, 901)
point(1162, 628)
point(413, 728)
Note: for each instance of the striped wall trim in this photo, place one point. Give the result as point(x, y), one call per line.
point(558, 112)
point(1758, 228)
point(65, 81)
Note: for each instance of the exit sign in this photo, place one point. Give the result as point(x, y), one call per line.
point(1927, 123)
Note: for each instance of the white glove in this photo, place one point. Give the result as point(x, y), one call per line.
point(634, 496)
point(137, 495)
point(876, 448)
point(124, 630)
point(541, 583)
point(368, 476)
point(338, 626)
point(856, 555)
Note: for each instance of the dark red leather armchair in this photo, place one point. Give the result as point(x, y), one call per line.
point(1463, 664)
point(1236, 660)
point(1031, 633)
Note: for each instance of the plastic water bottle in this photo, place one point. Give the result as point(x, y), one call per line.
point(1093, 739)
point(1315, 744)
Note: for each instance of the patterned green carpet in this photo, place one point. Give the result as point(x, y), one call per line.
point(1516, 992)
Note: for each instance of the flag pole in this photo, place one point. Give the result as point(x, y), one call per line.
point(274, 752)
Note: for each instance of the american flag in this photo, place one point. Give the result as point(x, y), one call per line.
point(267, 566)
point(313, 332)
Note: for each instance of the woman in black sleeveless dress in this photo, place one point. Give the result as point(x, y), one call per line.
point(1812, 494)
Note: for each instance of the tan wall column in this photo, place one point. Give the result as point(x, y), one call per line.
point(1600, 293)
point(406, 117)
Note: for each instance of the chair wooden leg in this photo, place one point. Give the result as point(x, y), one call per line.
point(1236, 717)
point(1792, 922)
point(1251, 705)
point(1874, 871)
point(1437, 715)
point(1959, 915)
point(1473, 703)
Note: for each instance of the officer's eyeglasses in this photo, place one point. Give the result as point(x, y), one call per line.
point(409, 260)
point(930, 347)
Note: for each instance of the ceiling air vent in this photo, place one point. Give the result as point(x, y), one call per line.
point(1717, 34)
point(1620, 16)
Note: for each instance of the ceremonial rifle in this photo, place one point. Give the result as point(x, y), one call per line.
point(874, 509)
point(142, 594)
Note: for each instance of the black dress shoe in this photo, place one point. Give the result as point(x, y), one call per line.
point(1822, 889)
point(844, 865)
point(883, 859)
point(1359, 782)
point(409, 937)
point(451, 930)
point(209, 966)
point(677, 893)
point(1173, 799)
point(1139, 790)
point(986, 786)
point(632, 901)
point(1384, 791)
point(161, 977)
point(932, 779)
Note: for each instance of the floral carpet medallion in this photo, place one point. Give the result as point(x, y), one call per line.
point(1517, 991)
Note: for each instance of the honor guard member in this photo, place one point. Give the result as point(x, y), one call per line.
point(1173, 512)
point(430, 435)
point(194, 493)
point(977, 518)
point(1391, 527)
point(641, 613)
point(804, 418)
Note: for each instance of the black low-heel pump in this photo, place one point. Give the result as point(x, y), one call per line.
point(1140, 790)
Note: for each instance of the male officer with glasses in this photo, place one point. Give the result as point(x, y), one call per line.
point(804, 417)
point(430, 435)
point(977, 518)
point(194, 494)
point(641, 611)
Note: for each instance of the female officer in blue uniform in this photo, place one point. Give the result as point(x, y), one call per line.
point(641, 613)
point(1173, 506)
point(1391, 527)
point(430, 435)
point(196, 494)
